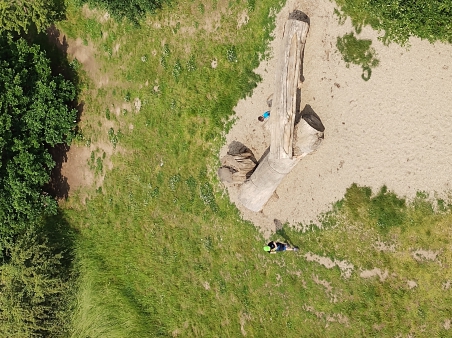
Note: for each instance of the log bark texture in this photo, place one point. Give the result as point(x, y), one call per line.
point(280, 160)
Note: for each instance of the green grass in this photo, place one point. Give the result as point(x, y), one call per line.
point(160, 249)
point(399, 20)
point(358, 52)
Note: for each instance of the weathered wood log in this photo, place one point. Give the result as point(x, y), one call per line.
point(238, 164)
point(308, 135)
point(256, 191)
point(287, 86)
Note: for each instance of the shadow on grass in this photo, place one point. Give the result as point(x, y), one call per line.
point(280, 231)
point(61, 238)
point(384, 208)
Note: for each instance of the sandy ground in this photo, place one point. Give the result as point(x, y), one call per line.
point(394, 130)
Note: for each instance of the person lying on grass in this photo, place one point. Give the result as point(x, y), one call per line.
point(274, 247)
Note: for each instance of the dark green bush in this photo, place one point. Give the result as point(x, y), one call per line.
point(34, 116)
point(400, 19)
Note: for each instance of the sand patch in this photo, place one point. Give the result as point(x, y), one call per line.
point(395, 129)
point(425, 255)
point(243, 19)
point(116, 48)
point(84, 54)
point(137, 104)
point(244, 317)
point(213, 22)
point(121, 108)
point(345, 267)
point(374, 272)
point(411, 284)
point(206, 285)
point(77, 169)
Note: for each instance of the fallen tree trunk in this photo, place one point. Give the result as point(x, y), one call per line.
point(280, 160)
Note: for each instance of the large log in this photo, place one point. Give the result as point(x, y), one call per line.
point(280, 160)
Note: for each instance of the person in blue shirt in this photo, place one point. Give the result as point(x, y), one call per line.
point(264, 116)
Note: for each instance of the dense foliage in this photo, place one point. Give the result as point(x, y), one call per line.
point(133, 10)
point(20, 15)
point(34, 116)
point(400, 19)
point(36, 281)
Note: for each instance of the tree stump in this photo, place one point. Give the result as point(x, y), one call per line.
point(280, 160)
point(238, 164)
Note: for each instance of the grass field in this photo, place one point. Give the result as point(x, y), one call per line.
point(160, 249)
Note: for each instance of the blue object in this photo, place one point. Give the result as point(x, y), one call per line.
point(266, 115)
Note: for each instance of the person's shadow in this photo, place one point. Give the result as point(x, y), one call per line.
point(282, 232)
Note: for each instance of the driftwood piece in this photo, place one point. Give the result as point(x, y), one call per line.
point(280, 160)
point(238, 164)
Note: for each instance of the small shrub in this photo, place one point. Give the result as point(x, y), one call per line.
point(231, 54)
point(251, 5)
point(177, 70)
point(191, 65)
point(127, 97)
point(166, 50)
point(173, 181)
point(99, 166)
point(113, 137)
point(207, 196)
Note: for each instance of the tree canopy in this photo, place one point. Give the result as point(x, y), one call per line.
point(19, 15)
point(36, 273)
point(34, 116)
